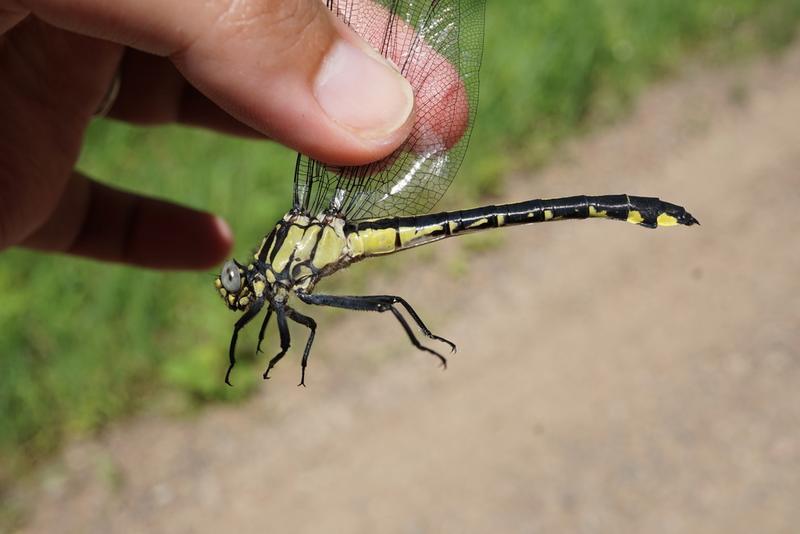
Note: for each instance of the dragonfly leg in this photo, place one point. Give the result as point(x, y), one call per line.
point(283, 330)
point(420, 324)
point(311, 324)
point(378, 303)
point(263, 329)
point(243, 320)
point(413, 338)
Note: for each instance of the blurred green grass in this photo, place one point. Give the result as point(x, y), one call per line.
point(84, 343)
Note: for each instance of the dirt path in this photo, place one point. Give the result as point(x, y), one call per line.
point(609, 379)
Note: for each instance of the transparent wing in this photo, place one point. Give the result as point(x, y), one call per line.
point(437, 45)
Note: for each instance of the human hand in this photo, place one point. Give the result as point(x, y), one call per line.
point(287, 70)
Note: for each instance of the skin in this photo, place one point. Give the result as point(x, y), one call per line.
point(242, 67)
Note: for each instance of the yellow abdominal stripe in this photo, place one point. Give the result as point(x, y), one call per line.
point(376, 241)
point(667, 220)
point(380, 241)
point(634, 217)
point(594, 213)
point(477, 224)
point(410, 235)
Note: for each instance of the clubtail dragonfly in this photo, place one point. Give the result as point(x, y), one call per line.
point(341, 215)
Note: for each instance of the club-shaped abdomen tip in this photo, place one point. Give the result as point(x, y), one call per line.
point(672, 214)
point(688, 220)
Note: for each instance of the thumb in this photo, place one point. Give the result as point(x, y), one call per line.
point(287, 68)
point(304, 79)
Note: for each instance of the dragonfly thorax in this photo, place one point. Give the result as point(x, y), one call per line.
point(293, 257)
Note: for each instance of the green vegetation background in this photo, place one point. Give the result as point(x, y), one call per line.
point(82, 343)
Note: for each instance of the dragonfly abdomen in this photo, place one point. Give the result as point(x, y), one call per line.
point(387, 235)
point(644, 211)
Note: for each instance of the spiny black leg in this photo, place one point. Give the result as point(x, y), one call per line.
point(379, 303)
point(283, 330)
point(263, 329)
point(243, 320)
point(311, 324)
point(390, 300)
point(420, 324)
point(413, 338)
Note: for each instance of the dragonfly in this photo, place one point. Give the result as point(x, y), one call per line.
point(342, 215)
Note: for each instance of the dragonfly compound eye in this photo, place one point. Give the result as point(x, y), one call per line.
point(231, 277)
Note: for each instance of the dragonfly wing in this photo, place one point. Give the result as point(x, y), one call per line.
point(437, 45)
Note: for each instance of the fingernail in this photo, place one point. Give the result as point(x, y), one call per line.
point(362, 91)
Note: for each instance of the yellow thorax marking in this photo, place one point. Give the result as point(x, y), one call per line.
point(301, 272)
point(259, 285)
point(260, 249)
point(330, 248)
point(305, 246)
point(355, 244)
point(410, 235)
point(282, 255)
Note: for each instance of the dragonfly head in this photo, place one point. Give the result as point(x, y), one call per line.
point(240, 286)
